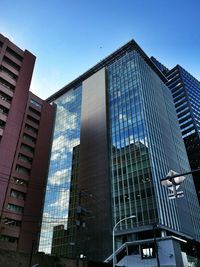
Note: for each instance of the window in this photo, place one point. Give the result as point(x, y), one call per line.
point(31, 129)
point(10, 239)
point(8, 72)
point(2, 124)
point(35, 103)
point(14, 54)
point(7, 84)
point(11, 222)
point(3, 110)
point(35, 111)
point(11, 63)
point(17, 194)
point(31, 119)
point(184, 128)
point(5, 97)
point(29, 138)
point(184, 110)
point(27, 148)
point(188, 133)
point(19, 181)
point(147, 252)
point(25, 158)
point(15, 208)
point(22, 170)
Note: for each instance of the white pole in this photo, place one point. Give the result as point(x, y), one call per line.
point(113, 234)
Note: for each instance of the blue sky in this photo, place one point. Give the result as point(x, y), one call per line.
point(68, 37)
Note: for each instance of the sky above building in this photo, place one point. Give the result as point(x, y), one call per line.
point(68, 37)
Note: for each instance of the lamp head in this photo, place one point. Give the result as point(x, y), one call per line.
point(168, 181)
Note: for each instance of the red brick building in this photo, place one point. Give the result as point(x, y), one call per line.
point(25, 136)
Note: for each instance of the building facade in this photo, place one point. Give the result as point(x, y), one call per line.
point(25, 136)
point(121, 116)
point(186, 94)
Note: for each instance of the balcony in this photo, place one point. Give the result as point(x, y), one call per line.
point(1, 132)
point(14, 59)
point(20, 186)
point(4, 103)
point(14, 216)
point(28, 143)
point(31, 133)
point(8, 245)
point(27, 152)
point(6, 89)
point(10, 68)
point(20, 176)
point(9, 230)
point(7, 77)
point(35, 116)
point(17, 202)
point(21, 161)
point(33, 124)
point(3, 117)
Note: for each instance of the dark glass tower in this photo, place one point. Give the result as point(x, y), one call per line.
point(186, 94)
point(121, 116)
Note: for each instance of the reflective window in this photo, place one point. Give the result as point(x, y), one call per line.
point(66, 138)
point(132, 189)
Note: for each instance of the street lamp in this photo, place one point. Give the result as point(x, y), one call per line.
point(173, 181)
point(113, 233)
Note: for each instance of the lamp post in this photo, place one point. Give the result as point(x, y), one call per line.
point(173, 181)
point(113, 233)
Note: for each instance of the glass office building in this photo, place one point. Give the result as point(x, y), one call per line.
point(186, 94)
point(117, 133)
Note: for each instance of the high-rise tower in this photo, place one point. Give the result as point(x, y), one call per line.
point(25, 136)
point(185, 90)
point(116, 136)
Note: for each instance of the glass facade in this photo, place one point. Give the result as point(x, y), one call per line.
point(145, 143)
point(185, 90)
point(130, 137)
point(182, 100)
point(66, 137)
point(132, 188)
point(192, 86)
point(188, 110)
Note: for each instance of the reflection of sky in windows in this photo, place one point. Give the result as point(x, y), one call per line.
point(127, 119)
point(66, 136)
point(192, 87)
point(140, 110)
point(132, 190)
